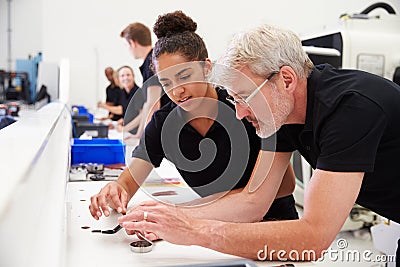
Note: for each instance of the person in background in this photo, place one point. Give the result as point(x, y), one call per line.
point(116, 80)
point(138, 37)
point(345, 123)
point(112, 92)
point(130, 111)
point(198, 112)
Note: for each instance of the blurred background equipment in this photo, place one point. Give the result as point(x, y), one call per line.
point(14, 86)
point(367, 41)
point(30, 67)
point(82, 124)
point(42, 94)
point(6, 120)
point(33, 81)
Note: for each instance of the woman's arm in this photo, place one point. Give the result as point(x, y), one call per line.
point(113, 109)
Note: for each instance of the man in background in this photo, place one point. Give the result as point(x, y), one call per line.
point(112, 92)
point(138, 37)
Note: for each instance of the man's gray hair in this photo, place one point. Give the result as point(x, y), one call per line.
point(264, 49)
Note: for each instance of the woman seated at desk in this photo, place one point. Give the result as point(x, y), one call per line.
point(213, 151)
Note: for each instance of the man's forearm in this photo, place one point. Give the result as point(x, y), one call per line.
point(278, 240)
point(306, 237)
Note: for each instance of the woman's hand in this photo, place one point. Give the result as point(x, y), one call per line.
point(112, 195)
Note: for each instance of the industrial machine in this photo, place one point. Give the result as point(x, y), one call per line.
point(30, 67)
point(20, 84)
point(14, 86)
point(360, 41)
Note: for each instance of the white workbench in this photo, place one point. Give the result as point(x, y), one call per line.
point(85, 248)
point(94, 249)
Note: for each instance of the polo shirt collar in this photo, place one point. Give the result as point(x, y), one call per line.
point(180, 112)
point(312, 84)
point(146, 61)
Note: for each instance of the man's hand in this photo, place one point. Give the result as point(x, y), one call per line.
point(163, 221)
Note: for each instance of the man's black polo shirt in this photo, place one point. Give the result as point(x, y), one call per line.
point(112, 97)
point(112, 94)
point(149, 79)
point(352, 125)
point(222, 160)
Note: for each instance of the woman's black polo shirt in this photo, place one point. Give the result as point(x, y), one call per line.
point(131, 103)
point(352, 125)
point(222, 160)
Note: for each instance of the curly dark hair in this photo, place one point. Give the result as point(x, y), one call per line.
point(176, 34)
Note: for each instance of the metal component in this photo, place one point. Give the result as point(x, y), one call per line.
point(141, 246)
point(142, 237)
point(95, 168)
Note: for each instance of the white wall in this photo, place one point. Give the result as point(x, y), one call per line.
point(26, 30)
point(87, 31)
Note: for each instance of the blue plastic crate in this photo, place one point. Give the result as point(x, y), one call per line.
point(91, 117)
point(99, 150)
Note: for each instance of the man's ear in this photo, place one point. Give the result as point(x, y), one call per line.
point(132, 43)
point(289, 78)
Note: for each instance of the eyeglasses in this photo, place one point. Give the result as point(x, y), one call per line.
point(247, 99)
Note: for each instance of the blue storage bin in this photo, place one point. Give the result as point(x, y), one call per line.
point(99, 150)
point(91, 117)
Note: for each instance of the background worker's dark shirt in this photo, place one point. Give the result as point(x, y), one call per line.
point(149, 79)
point(131, 103)
point(112, 98)
point(112, 94)
point(352, 125)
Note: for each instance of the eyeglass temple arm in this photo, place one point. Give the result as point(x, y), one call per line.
point(261, 85)
point(255, 91)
